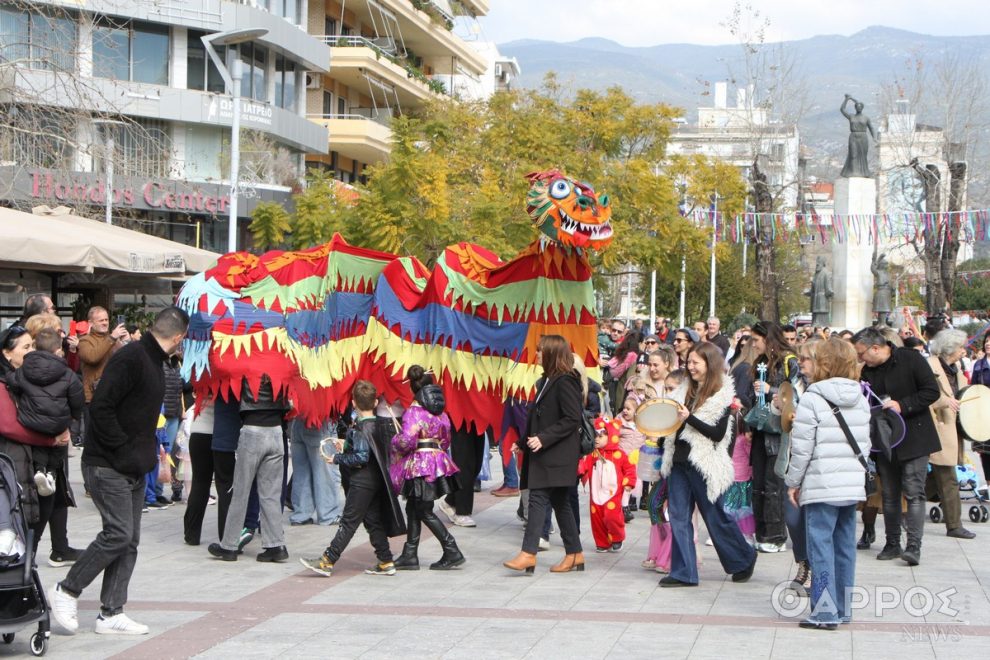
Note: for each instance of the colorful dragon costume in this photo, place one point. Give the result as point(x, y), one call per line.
point(317, 320)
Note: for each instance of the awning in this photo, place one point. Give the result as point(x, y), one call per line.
point(55, 240)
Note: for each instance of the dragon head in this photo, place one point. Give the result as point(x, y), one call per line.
point(569, 212)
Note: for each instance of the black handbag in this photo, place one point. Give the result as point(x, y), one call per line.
point(870, 480)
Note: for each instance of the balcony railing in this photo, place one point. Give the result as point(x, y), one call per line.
point(379, 116)
point(343, 41)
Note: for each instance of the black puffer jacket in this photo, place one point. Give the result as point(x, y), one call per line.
point(173, 403)
point(431, 398)
point(48, 395)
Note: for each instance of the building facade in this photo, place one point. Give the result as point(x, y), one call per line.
point(90, 84)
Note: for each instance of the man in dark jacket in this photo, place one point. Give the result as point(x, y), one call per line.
point(902, 378)
point(120, 449)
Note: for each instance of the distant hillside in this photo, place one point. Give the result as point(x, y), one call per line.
point(859, 64)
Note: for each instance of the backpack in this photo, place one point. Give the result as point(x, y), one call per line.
point(586, 433)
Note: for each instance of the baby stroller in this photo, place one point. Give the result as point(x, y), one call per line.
point(22, 598)
point(968, 490)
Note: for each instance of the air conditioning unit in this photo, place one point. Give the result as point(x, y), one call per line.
point(314, 80)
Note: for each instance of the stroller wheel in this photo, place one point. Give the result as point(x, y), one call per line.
point(39, 644)
point(935, 513)
point(974, 514)
point(8, 638)
point(985, 514)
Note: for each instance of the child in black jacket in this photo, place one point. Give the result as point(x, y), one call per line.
point(369, 497)
point(48, 396)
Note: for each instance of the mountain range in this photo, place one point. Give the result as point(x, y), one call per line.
point(867, 65)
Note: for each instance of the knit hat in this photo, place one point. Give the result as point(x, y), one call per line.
point(651, 337)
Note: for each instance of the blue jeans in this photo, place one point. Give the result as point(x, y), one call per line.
point(152, 489)
point(794, 518)
point(685, 489)
point(831, 532)
point(315, 483)
point(510, 475)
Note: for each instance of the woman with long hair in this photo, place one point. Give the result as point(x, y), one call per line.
point(423, 472)
point(550, 452)
point(825, 477)
point(775, 364)
point(621, 367)
point(698, 470)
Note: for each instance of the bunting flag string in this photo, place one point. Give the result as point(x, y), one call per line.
point(885, 228)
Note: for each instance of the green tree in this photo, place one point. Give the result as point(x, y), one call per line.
point(973, 294)
point(319, 211)
point(269, 224)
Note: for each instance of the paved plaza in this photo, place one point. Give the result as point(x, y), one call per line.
point(200, 607)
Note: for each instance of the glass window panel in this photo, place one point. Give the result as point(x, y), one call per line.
point(291, 11)
point(150, 54)
point(110, 53)
point(204, 145)
point(195, 62)
point(53, 42)
point(258, 71)
point(246, 53)
point(13, 35)
point(327, 103)
point(279, 80)
point(290, 87)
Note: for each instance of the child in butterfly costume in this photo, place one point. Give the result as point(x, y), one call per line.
point(610, 474)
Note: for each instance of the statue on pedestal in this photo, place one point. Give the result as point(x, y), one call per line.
point(821, 295)
point(859, 144)
point(882, 289)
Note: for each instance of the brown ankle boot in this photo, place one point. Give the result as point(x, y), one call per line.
point(524, 561)
point(569, 563)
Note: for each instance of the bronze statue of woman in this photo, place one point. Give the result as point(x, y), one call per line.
point(859, 144)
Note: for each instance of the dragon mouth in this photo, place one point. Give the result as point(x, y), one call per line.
point(593, 232)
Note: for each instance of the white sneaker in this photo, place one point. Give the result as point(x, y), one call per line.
point(64, 609)
point(464, 521)
point(119, 624)
point(447, 510)
point(770, 547)
point(544, 544)
point(45, 483)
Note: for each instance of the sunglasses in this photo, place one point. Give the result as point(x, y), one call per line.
point(649, 341)
point(616, 330)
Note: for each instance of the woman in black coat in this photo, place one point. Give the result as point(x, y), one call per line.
point(550, 455)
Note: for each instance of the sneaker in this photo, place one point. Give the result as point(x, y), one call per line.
point(447, 510)
point(802, 581)
point(66, 558)
point(892, 550)
point(277, 554)
point(64, 609)
point(649, 564)
point(662, 570)
point(627, 514)
point(464, 521)
point(601, 550)
point(770, 547)
point(911, 555)
point(44, 483)
point(321, 564)
point(156, 506)
point(247, 535)
point(119, 624)
point(221, 552)
point(212, 499)
point(161, 499)
point(381, 568)
point(145, 509)
point(544, 544)
point(176, 496)
point(616, 546)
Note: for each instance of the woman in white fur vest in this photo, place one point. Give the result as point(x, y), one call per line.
point(826, 477)
point(698, 469)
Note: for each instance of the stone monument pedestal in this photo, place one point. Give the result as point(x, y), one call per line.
point(852, 281)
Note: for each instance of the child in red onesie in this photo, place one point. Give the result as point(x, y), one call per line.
point(610, 474)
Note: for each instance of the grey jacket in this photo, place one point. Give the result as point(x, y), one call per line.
point(823, 464)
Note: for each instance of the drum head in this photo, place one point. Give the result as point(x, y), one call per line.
point(657, 417)
point(974, 412)
point(787, 406)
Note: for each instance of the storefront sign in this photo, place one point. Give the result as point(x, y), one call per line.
point(253, 113)
point(153, 263)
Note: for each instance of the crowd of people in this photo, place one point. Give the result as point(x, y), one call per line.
point(772, 443)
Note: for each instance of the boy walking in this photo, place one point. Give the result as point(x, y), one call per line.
point(369, 497)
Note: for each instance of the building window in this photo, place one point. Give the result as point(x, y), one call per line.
point(330, 26)
point(285, 83)
point(44, 139)
point(327, 103)
point(202, 73)
point(341, 106)
point(138, 52)
point(141, 148)
point(255, 59)
point(38, 41)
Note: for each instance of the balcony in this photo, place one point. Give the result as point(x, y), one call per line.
point(359, 62)
point(437, 45)
point(477, 7)
point(363, 134)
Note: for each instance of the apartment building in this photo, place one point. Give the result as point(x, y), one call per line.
point(85, 84)
point(387, 57)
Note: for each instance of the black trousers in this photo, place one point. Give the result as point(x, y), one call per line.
point(768, 490)
point(420, 512)
point(223, 473)
point(559, 499)
point(45, 507)
point(201, 458)
point(362, 504)
point(467, 451)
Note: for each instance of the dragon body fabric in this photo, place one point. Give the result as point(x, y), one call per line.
point(317, 320)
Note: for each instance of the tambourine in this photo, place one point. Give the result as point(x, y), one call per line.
point(328, 447)
point(657, 417)
point(974, 412)
point(787, 405)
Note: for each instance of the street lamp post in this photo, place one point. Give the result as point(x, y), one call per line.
point(232, 78)
point(108, 164)
point(711, 300)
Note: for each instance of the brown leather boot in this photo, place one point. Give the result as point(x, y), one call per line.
point(524, 561)
point(569, 563)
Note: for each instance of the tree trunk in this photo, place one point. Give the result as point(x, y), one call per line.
point(934, 233)
point(950, 246)
point(762, 237)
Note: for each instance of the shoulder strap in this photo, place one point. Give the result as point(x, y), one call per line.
point(849, 436)
point(787, 365)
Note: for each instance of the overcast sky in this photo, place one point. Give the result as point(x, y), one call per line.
point(652, 22)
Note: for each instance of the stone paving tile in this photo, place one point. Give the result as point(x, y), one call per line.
point(572, 639)
point(739, 642)
point(669, 641)
point(890, 645)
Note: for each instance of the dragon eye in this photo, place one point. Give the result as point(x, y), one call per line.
point(560, 189)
